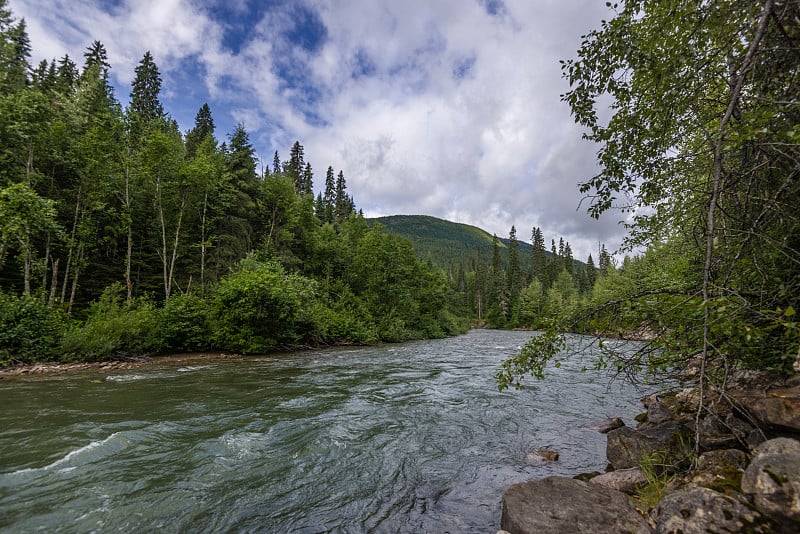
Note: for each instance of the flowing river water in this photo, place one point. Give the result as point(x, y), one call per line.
point(412, 437)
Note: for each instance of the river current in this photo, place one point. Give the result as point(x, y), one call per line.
point(413, 437)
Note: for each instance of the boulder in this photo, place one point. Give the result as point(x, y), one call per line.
point(658, 413)
point(607, 425)
point(624, 480)
point(720, 470)
point(777, 409)
point(694, 510)
point(772, 481)
point(558, 504)
point(716, 434)
point(668, 444)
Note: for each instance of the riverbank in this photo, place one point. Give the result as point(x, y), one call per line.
point(49, 368)
point(746, 477)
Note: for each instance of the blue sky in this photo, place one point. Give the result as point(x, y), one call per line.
point(447, 108)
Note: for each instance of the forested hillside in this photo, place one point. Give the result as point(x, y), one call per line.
point(503, 282)
point(122, 235)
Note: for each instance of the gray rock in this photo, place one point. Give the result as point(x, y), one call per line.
point(607, 425)
point(624, 480)
point(772, 480)
point(558, 504)
point(720, 470)
point(777, 409)
point(695, 510)
point(658, 413)
point(668, 444)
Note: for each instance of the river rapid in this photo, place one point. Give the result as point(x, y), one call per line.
point(413, 437)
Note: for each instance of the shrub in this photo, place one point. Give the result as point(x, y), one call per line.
point(115, 328)
point(29, 329)
point(261, 306)
point(184, 324)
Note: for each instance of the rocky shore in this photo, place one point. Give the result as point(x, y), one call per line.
point(745, 479)
point(52, 368)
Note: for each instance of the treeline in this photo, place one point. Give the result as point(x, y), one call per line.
point(510, 290)
point(119, 234)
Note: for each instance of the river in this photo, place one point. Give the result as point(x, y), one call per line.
point(411, 437)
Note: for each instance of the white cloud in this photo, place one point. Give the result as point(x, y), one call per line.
point(438, 108)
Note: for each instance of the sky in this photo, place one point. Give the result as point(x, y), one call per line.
point(449, 108)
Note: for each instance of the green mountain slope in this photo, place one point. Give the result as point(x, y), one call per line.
point(447, 243)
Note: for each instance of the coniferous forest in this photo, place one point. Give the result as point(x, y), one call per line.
point(121, 235)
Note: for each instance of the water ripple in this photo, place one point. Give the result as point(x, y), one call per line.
point(397, 438)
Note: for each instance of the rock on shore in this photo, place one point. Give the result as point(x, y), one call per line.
point(741, 483)
point(558, 504)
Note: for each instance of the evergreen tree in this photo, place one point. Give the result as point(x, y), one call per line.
point(568, 260)
point(307, 180)
point(296, 166)
point(538, 256)
point(66, 75)
point(329, 197)
point(96, 56)
point(277, 168)
point(591, 272)
point(605, 261)
point(15, 51)
point(203, 127)
point(514, 281)
point(145, 106)
point(343, 205)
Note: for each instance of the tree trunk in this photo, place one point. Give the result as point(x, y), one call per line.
point(53, 283)
point(203, 245)
point(175, 243)
point(78, 261)
point(71, 251)
point(129, 222)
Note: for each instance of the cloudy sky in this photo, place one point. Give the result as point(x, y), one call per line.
point(447, 108)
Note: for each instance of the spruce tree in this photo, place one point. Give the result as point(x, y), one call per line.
point(513, 278)
point(296, 166)
point(203, 127)
point(145, 106)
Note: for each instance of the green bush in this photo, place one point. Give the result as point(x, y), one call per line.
point(115, 328)
point(29, 329)
point(184, 324)
point(260, 306)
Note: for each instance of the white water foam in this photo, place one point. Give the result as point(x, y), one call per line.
point(62, 463)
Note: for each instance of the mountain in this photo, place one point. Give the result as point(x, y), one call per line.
point(447, 243)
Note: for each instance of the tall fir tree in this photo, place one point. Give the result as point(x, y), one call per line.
point(145, 107)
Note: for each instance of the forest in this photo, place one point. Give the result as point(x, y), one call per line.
point(120, 235)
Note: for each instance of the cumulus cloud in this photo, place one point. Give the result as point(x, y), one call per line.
point(447, 108)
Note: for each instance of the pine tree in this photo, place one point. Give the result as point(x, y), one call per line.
point(307, 180)
point(145, 105)
point(15, 51)
point(513, 278)
point(277, 168)
point(538, 257)
point(97, 57)
point(203, 127)
point(591, 272)
point(605, 261)
point(568, 260)
point(296, 166)
point(329, 197)
point(343, 204)
point(66, 75)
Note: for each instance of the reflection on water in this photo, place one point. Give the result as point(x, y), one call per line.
point(397, 438)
